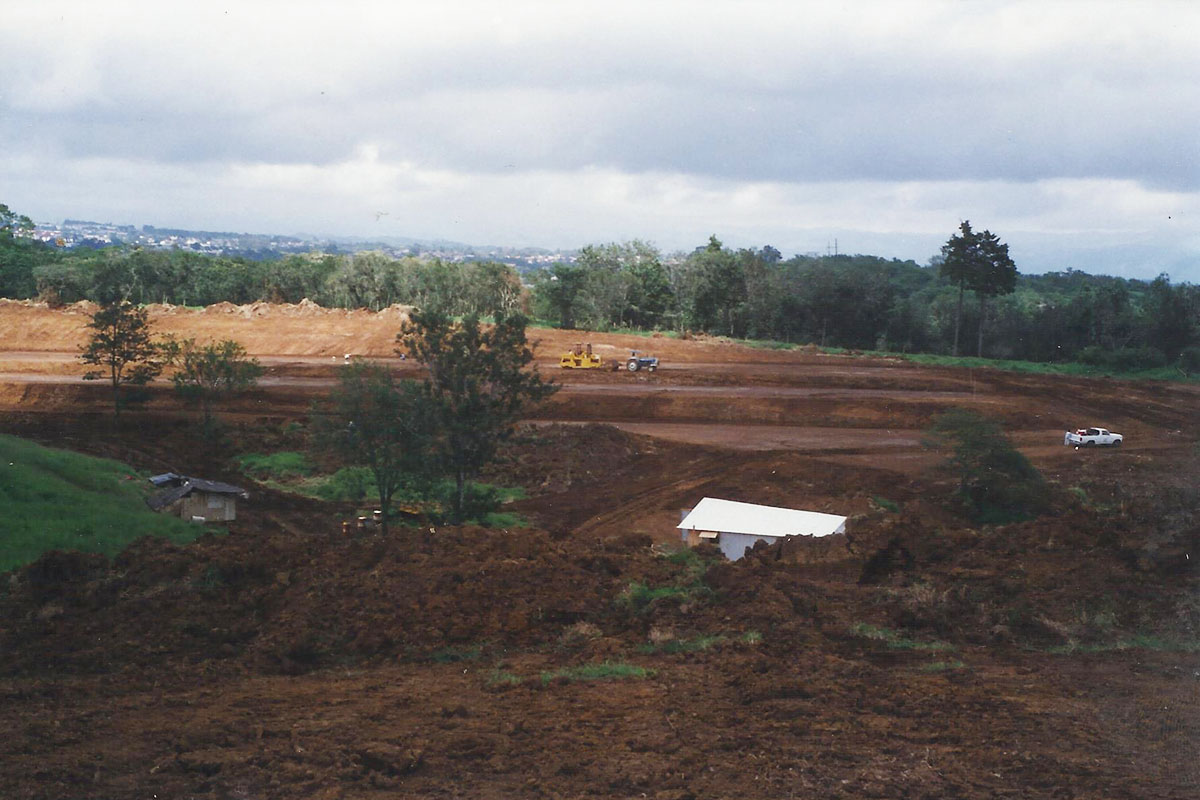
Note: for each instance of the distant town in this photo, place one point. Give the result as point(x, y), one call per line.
point(76, 233)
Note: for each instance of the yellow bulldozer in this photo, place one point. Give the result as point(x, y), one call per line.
point(581, 357)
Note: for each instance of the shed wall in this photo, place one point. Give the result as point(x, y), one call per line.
point(213, 507)
point(735, 545)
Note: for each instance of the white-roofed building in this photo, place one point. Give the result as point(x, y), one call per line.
point(736, 527)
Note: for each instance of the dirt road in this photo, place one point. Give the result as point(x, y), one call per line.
point(709, 391)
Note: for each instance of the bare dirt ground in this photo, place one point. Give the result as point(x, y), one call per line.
point(283, 660)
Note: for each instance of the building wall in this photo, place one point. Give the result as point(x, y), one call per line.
point(213, 507)
point(734, 545)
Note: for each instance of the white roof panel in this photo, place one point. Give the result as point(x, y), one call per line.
point(729, 516)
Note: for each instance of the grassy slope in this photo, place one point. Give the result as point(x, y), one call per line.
point(59, 500)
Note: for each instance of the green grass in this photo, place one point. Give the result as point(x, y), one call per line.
point(641, 597)
point(687, 557)
point(1170, 372)
point(503, 678)
point(1137, 642)
point(768, 344)
point(941, 666)
point(59, 500)
point(895, 641)
point(503, 520)
point(687, 587)
point(609, 670)
point(1072, 368)
point(291, 472)
point(279, 466)
point(672, 646)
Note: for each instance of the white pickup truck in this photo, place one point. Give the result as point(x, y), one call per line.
point(1090, 437)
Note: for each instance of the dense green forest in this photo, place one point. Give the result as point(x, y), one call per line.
point(850, 301)
point(867, 302)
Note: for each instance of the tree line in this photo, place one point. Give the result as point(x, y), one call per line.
point(970, 292)
point(969, 297)
point(368, 280)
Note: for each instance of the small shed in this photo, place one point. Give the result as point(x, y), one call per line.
point(196, 498)
point(736, 527)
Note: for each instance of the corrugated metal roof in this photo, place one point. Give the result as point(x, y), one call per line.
point(164, 499)
point(730, 516)
point(215, 487)
point(167, 479)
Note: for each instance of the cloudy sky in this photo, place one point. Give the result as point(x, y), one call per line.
point(1071, 129)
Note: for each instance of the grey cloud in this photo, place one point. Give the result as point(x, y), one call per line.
point(751, 104)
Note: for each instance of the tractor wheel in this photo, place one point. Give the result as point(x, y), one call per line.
point(632, 365)
point(653, 367)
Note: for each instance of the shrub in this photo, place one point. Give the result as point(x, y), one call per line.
point(640, 596)
point(1123, 359)
point(885, 504)
point(348, 483)
point(479, 499)
point(996, 482)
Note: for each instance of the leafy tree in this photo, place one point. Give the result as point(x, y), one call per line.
point(366, 280)
point(957, 265)
point(769, 255)
point(1171, 321)
point(718, 288)
point(649, 288)
point(19, 256)
point(476, 385)
point(291, 279)
point(994, 274)
point(996, 482)
point(207, 373)
point(62, 281)
point(11, 222)
point(561, 291)
point(373, 421)
point(979, 262)
point(491, 287)
point(121, 343)
point(606, 282)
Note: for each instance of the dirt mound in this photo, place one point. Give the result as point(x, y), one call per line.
point(277, 662)
point(301, 329)
point(287, 603)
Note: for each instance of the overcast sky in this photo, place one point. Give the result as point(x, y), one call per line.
point(1072, 130)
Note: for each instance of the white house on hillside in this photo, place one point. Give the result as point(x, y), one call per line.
point(735, 527)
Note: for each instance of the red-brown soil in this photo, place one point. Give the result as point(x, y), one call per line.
point(284, 660)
